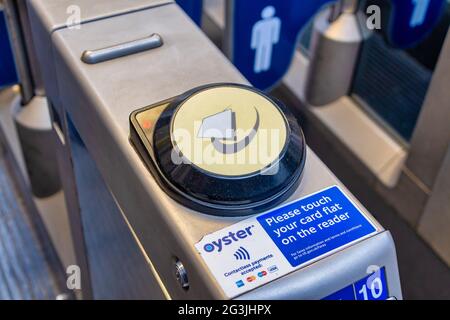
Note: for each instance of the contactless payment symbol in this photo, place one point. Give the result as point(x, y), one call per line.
point(242, 254)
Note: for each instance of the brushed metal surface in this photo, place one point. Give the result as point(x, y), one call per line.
point(335, 47)
point(117, 267)
point(47, 16)
point(100, 111)
point(122, 49)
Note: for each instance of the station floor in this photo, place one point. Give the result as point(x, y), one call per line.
point(27, 268)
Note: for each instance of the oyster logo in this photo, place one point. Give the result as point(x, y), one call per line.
point(222, 127)
point(228, 239)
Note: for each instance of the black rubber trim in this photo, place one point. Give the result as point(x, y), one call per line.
point(219, 195)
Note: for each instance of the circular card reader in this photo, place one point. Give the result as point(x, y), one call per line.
point(227, 149)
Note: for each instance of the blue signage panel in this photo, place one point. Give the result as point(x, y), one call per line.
point(372, 287)
point(348, 293)
point(193, 8)
point(316, 225)
point(8, 75)
point(410, 21)
point(265, 36)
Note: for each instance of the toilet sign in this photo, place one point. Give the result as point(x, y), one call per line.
point(8, 74)
point(410, 21)
point(193, 9)
point(264, 36)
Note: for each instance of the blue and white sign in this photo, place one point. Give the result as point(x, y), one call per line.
point(410, 21)
point(371, 287)
point(263, 248)
point(193, 9)
point(8, 75)
point(322, 223)
point(264, 36)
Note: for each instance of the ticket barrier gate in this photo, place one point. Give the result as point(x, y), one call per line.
point(176, 137)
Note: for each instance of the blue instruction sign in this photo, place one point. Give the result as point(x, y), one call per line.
point(264, 36)
point(318, 224)
point(260, 249)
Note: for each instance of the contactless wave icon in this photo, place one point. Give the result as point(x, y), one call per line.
point(242, 254)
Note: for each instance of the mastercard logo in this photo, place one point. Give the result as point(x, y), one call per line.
point(262, 274)
point(251, 279)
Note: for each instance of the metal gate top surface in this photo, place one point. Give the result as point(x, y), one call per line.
point(100, 98)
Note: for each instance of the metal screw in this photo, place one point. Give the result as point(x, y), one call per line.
point(181, 274)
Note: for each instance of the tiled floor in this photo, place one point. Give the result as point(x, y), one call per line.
point(25, 271)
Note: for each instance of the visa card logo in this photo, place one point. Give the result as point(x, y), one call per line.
point(272, 269)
